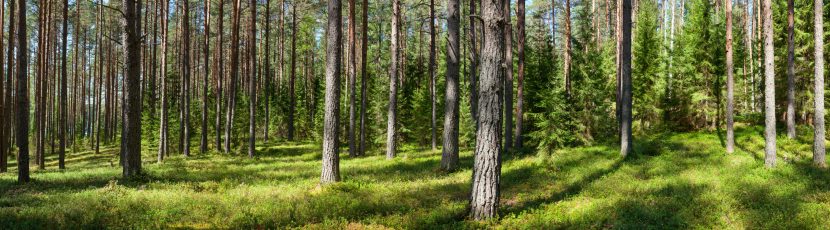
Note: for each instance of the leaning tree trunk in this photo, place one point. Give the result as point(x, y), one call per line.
point(449, 156)
point(484, 199)
point(769, 87)
point(22, 126)
point(625, 78)
point(331, 119)
point(819, 138)
point(520, 25)
point(393, 81)
point(790, 71)
point(730, 84)
point(131, 129)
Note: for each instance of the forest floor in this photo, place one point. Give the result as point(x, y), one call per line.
point(682, 180)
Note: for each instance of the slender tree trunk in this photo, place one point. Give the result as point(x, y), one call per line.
point(625, 78)
point(730, 85)
point(206, 69)
point(292, 108)
point(252, 83)
point(331, 159)
point(818, 35)
point(4, 104)
point(520, 17)
point(391, 132)
point(132, 60)
point(220, 73)
point(233, 76)
point(769, 87)
point(364, 45)
point(432, 72)
point(267, 70)
point(164, 130)
point(185, 72)
point(449, 156)
point(22, 126)
point(352, 77)
point(790, 71)
point(474, 60)
point(484, 199)
point(62, 121)
point(567, 53)
point(9, 116)
point(508, 79)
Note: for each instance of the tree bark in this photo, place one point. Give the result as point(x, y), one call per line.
point(234, 75)
point(203, 146)
point(352, 76)
point(132, 58)
point(520, 17)
point(625, 78)
point(252, 84)
point(484, 199)
point(818, 35)
point(432, 72)
point(508, 78)
point(364, 76)
point(790, 71)
point(220, 72)
point(292, 94)
point(567, 53)
point(185, 72)
point(331, 159)
point(474, 60)
point(769, 87)
point(267, 71)
point(391, 132)
point(62, 120)
point(22, 126)
point(449, 156)
point(730, 84)
point(4, 104)
point(164, 130)
point(9, 116)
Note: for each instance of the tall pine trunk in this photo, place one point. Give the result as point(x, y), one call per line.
point(352, 68)
point(730, 84)
point(331, 118)
point(62, 114)
point(818, 35)
point(769, 86)
point(391, 132)
point(484, 199)
point(206, 68)
point(432, 72)
point(508, 78)
point(185, 72)
point(220, 73)
point(449, 156)
point(790, 71)
point(520, 25)
point(132, 60)
point(252, 83)
point(234, 75)
point(164, 130)
point(364, 46)
point(625, 78)
point(22, 126)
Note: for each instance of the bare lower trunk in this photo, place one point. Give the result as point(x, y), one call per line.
point(163, 132)
point(819, 138)
point(352, 76)
point(484, 200)
point(769, 87)
point(393, 83)
point(790, 71)
point(449, 156)
point(432, 72)
point(520, 25)
point(730, 85)
point(625, 78)
point(132, 59)
point(331, 160)
point(22, 126)
point(508, 79)
point(364, 77)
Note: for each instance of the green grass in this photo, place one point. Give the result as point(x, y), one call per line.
point(675, 181)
